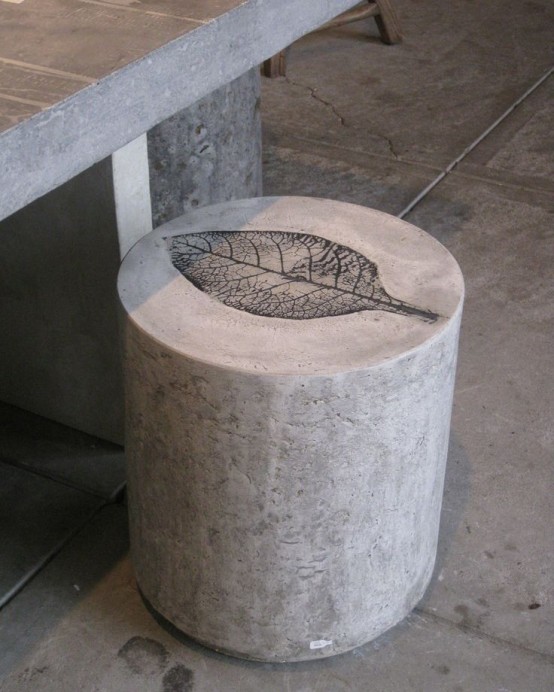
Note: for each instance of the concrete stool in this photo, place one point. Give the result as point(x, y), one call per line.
point(289, 375)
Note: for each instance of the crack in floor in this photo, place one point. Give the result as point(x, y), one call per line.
point(390, 145)
point(314, 95)
point(481, 634)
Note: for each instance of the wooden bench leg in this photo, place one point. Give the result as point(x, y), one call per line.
point(385, 16)
point(381, 10)
point(387, 22)
point(276, 66)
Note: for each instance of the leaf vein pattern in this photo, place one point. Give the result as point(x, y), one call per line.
point(303, 276)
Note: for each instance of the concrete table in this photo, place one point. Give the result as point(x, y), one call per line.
point(81, 83)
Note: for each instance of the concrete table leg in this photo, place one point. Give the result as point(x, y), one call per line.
point(209, 153)
point(59, 346)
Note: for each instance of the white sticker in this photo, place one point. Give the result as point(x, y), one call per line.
point(15, 2)
point(320, 643)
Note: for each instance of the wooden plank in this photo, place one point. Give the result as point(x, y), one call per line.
point(276, 66)
point(358, 13)
point(387, 22)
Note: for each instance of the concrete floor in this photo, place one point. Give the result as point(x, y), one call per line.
point(375, 125)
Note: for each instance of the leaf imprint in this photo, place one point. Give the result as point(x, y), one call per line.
point(294, 276)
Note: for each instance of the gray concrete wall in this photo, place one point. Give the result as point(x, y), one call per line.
point(59, 352)
point(59, 346)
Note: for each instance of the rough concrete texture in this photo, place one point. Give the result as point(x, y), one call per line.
point(60, 255)
point(486, 621)
point(285, 480)
point(497, 571)
point(524, 146)
point(208, 153)
point(421, 101)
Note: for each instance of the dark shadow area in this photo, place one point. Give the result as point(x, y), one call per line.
point(53, 481)
point(457, 488)
point(62, 586)
point(58, 353)
point(59, 453)
point(315, 665)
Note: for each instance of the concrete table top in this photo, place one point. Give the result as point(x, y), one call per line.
point(79, 79)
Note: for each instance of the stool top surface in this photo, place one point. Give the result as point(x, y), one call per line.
point(290, 285)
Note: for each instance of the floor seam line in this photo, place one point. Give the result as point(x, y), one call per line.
point(452, 165)
point(60, 545)
point(13, 463)
point(504, 183)
point(384, 157)
point(483, 635)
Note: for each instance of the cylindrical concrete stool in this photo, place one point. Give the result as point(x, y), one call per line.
point(289, 375)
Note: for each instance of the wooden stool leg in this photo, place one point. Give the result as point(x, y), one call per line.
point(387, 22)
point(276, 66)
point(384, 14)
